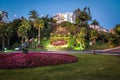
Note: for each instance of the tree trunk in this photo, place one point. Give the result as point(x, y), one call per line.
point(26, 38)
point(3, 42)
point(22, 40)
point(94, 49)
point(94, 46)
point(38, 35)
point(8, 41)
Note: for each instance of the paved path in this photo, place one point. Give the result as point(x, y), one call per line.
point(88, 52)
point(112, 51)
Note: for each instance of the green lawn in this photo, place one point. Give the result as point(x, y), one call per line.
point(89, 67)
point(99, 46)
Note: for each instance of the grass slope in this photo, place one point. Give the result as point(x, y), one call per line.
point(89, 67)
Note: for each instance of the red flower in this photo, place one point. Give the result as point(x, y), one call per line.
point(19, 60)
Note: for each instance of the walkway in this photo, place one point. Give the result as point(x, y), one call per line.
point(112, 51)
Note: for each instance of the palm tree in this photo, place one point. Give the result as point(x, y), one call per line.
point(95, 23)
point(23, 29)
point(82, 16)
point(2, 33)
point(94, 35)
point(9, 32)
point(39, 23)
point(48, 23)
point(33, 15)
point(76, 15)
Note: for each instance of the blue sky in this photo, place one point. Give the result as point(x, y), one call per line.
point(106, 12)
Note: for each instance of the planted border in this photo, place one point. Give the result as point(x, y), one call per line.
point(19, 60)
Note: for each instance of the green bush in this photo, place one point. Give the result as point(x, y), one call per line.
point(15, 45)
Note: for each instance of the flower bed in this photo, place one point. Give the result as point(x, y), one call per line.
point(59, 42)
point(19, 60)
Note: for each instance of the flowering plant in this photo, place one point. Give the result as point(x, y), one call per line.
point(18, 60)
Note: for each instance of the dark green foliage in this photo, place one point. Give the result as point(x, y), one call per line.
point(8, 33)
point(82, 16)
point(117, 29)
point(33, 15)
point(114, 39)
point(65, 24)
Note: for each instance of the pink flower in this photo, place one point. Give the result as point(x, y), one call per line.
point(19, 60)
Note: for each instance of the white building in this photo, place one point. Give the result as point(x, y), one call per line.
point(61, 17)
point(99, 28)
point(4, 16)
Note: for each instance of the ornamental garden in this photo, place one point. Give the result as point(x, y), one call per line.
point(25, 45)
point(45, 34)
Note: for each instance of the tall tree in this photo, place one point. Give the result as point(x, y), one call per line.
point(76, 15)
point(33, 15)
point(23, 29)
point(15, 25)
point(117, 33)
point(9, 32)
point(39, 23)
point(48, 23)
point(117, 29)
point(2, 33)
point(82, 16)
point(95, 23)
point(94, 35)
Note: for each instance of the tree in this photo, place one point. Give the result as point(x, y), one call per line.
point(73, 29)
point(9, 32)
point(103, 36)
point(65, 24)
point(33, 15)
point(117, 29)
point(76, 15)
point(82, 16)
point(48, 24)
point(15, 25)
point(94, 35)
point(23, 29)
point(39, 23)
point(95, 23)
point(2, 33)
point(114, 38)
point(81, 38)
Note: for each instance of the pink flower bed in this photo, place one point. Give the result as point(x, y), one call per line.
point(19, 60)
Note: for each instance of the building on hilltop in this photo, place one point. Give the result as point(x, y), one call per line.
point(61, 17)
point(98, 27)
point(4, 17)
point(69, 16)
